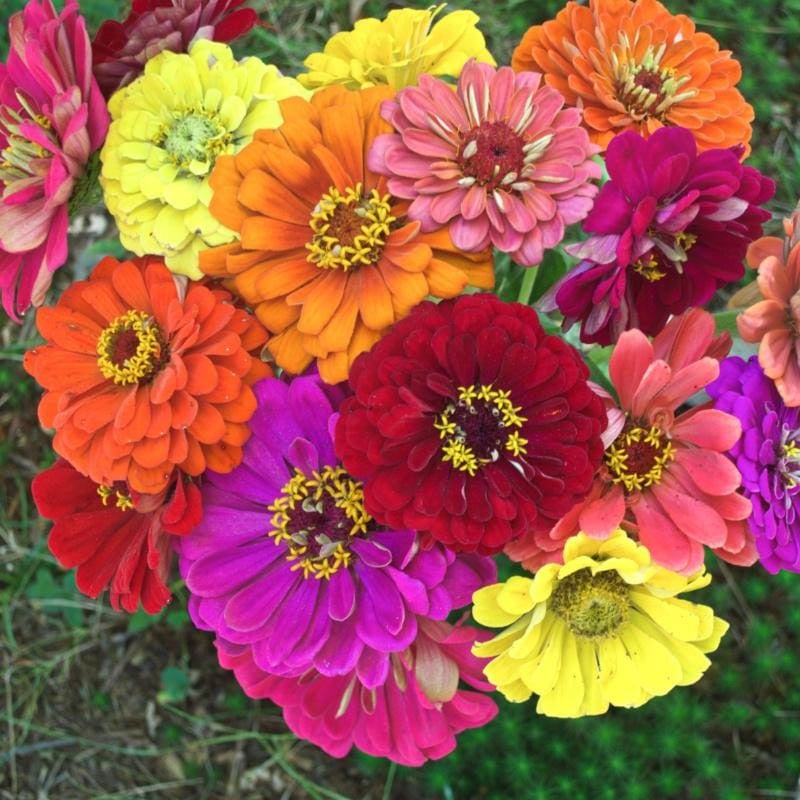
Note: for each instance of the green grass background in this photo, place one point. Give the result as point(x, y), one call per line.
point(96, 706)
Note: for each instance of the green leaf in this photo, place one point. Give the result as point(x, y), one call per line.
point(552, 269)
point(174, 685)
point(141, 620)
point(726, 321)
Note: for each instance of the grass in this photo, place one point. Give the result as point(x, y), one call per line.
point(95, 706)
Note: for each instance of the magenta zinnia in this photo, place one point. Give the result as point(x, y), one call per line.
point(470, 424)
point(500, 160)
point(52, 118)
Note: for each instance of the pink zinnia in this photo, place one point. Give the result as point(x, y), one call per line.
point(413, 716)
point(665, 477)
point(499, 160)
point(52, 118)
point(121, 49)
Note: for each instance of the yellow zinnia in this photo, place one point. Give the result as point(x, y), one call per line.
point(168, 128)
point(397, 50)
point(603, 628)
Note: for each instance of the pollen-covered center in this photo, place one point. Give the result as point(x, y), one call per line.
point(638, 456)
point(317, 517)
point(788, 455)
point(478, 427)
point(492, 155)
point(117, 494)
point(643, 86)
point(349, 229)
point(22, 158)
point(593, 606)
point(131, 349)
point(653, 266)
point(193, 140)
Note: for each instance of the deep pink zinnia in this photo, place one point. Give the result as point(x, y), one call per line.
point(665, 477)
point(499, 160)
point(121, 49)
point(412, 716)
point(670, 227)
point(52, 118)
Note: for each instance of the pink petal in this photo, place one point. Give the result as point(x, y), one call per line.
point(696, 519)
point(708, 428)
point(711, 472)
point(628, 363)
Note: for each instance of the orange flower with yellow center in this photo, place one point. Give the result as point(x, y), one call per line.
point(635, 66)
point(143, 376)
point(326, 256)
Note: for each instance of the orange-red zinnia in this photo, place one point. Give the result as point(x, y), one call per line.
point(142, 376)
point(635, 66)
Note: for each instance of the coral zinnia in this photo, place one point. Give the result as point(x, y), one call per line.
point(635, 66)
point(670, 228)
point(288, 562)
point(326, 258)
point(664, 476)
point(141, 376)
point(605, 628)
point(116, 537)
point(395, 51)
point(168, 128)
point(499, 161)
point(412, 716)
point(774, 321)
point(52, 118)
point(121, 49)
point(768, 456)
point(470, 424)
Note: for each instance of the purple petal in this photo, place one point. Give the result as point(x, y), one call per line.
point(341, 595)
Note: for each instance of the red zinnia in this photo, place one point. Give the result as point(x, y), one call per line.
point(469, 424)
point(115, 536)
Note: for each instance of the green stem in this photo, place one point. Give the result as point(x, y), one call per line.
point(525, 289)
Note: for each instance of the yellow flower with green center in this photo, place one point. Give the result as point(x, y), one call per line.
point(604, 628)
point(395, 51)
point(168, 129)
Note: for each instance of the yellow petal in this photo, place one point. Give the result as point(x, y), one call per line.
point(565, 699)
point(486, 608)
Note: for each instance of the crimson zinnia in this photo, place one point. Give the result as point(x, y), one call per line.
point(468, 423)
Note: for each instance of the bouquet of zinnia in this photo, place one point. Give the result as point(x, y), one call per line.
point(319, 388)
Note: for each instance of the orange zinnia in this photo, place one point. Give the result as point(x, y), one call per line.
point(326, 256)
point(142, 376)
point(636, 66)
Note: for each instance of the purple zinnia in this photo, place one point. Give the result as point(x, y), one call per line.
point(767, 455)
point(669, 228)
point(288, 562)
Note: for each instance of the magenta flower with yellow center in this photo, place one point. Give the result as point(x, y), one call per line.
point(500, 160)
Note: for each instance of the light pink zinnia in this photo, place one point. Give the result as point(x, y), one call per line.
point(52, 118)
point(413, 716)
point(664, 478)
point(499, 160)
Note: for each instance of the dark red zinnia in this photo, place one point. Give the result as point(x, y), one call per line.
point(471, 425)
point(116, 537)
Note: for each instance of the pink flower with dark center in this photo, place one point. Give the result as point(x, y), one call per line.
point(499, 160)
point(52, 118)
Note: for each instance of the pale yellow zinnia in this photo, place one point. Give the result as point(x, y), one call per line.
point(395, 51)
point(603, 628)
point(168, 128)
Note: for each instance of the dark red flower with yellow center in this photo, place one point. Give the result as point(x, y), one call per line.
point(470, 424)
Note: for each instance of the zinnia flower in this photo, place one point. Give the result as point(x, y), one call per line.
point(116, 537)
point(471, 425)
point(168, 128)
point(412, 716)
point(768, 456)
point(121, 49)
point(635, 66)
point(52, 118)
point(326, 257)
point(669, 228)
point(500, 161)
point(774, 321)
point(605, 628)
point(141, 376)
point(664, 475)
point(288, 562)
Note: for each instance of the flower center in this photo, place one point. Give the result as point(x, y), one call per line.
point(654, 265)
point(131, 349)
point(349, 230)
point(317, 517)
point(22, 158)
point(194, 139)
point(478, 426)
point(492, 155)
point(117, 492)
point(638, 456)
point(643, 86)
point(789, 458)
point(594, 606)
